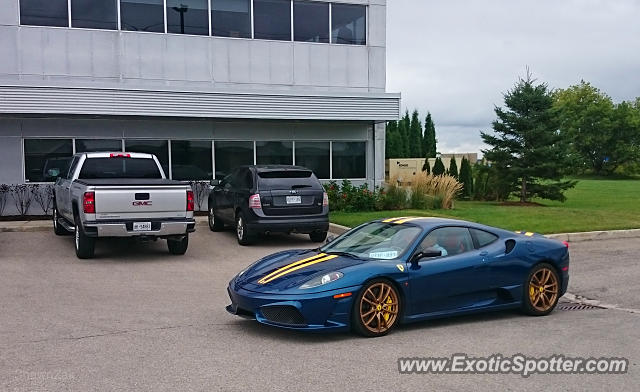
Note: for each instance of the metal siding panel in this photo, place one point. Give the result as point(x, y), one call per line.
point(55, 51)
point(239, 60)
point(11, 151)
point(197, 59)
point(220, 60)
point(80, 53)
point(377, 25)
point(105, 54)
point(260, 61)
point(301, 64)
point(8, 50)
point(30, 49)
point(338, 65)
point(377, 68)
point(58, 100)
point(319, 65)
point(151, 47)
point(9, 14)
point(281, 63)
point(175, 57)
point(358, 67)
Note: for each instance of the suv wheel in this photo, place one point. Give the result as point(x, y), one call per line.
point(178, 246)
point(85, 246)
point(215, 224)
point(318, 236)
point(242, 233)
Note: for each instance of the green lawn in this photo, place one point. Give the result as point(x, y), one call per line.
point(591, 205)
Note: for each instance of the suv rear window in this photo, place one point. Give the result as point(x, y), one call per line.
point(288, 179)
point(119, 167)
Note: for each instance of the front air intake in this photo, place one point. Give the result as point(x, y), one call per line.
point(283, 314)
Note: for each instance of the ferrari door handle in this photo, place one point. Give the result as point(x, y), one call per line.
point(484, 253)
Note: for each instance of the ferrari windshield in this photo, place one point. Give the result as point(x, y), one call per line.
point(376, 240)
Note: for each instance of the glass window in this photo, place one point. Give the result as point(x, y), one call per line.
point(311, 21)
point(314, 156)
point(483, 238)
point(349, 160)
point(191, 160)
point(231, 18)
point(449, 240)
point(230, 155)
point(188, 17)
point(88, 145)
point(142, 15)
point(94, 14)
point(376, 240)
point(274, 153)
point(119, 167)
point(44, 12)
point(159, 148)
point(42, 155)
point(349, 24)
point(272, 19)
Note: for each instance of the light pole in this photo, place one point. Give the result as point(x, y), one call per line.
point(182, 9)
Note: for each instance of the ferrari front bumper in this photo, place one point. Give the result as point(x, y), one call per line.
point(310, 312)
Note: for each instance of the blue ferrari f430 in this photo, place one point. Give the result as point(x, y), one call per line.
point(401, 270)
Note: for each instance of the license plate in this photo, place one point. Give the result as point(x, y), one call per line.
point(141, 226)
point(294, 199)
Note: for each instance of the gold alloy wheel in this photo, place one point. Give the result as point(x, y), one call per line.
point(379, 307)
point(543, 290)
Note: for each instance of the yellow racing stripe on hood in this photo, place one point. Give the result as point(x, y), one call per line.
point(389, 220)
point(279, 270)
point(283, 273)
point(401, 221)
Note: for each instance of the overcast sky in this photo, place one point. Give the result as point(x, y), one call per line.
point(456, 58)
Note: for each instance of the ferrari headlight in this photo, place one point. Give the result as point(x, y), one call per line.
point(322, 280)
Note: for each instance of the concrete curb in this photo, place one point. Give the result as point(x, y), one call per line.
point(569, 237)
point(45, 225)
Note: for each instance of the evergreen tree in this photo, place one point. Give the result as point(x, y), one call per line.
point(426, 167)
point(453, 167)
point(526, 149)
point(466, 177)
point(438, 167)
point(403, 129)
point(415, 136)
point(429, 138)
point(392, 143)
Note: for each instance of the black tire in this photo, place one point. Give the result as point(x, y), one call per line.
point(243, 235)
point(541, 290)
point(393, 305)
point(57, 227)
point(215, 224)
point(85, 246)
point(178, 247)
point(318, 236)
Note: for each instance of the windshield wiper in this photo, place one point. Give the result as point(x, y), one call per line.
point(347, 254)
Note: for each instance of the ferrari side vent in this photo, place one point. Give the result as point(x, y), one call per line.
point(509, 245)
point(283, 314)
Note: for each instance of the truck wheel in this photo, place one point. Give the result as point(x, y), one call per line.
point(178, 247)
point(57, 228)
point(242, 233)
point(215, 224)
point(318, 236)
point(85, 246)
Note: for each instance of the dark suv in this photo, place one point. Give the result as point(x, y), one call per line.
point(269, 199)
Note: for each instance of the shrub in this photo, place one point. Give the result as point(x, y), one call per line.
point(4, 192)
point(200, 192)
point(43, 196)
point(21, 197)
point(438, 167)
point(394, 197)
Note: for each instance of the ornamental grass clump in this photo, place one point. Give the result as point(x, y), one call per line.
point(429, 191)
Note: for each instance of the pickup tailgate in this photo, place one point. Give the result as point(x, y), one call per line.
point(131, 202)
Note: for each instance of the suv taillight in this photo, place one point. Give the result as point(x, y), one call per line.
point(254, 201)
point(89, 202)
point(325, 199)
point(190, 201)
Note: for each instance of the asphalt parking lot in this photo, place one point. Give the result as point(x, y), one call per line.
point(138, 318)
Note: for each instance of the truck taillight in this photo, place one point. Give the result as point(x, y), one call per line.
point(325, 199)
point(254, 201)
point(89, 202)
point(191, 204)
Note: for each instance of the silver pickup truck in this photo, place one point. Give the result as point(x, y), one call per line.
point(121, 195)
